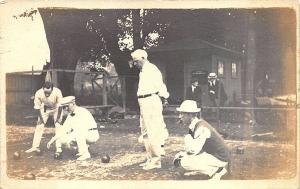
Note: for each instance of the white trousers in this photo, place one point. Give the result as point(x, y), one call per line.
point(82, 140)
point(204, 163)
point(39, 129)
point(152, 125)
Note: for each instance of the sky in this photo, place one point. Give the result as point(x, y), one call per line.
point(23, 41)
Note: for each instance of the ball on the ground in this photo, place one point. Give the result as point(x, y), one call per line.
point(239, 150)
point(105, 159)
point(58, 156)
point(17, 155)
point(29, 176)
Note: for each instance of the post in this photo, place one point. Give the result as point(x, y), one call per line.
point(54, 78)
point(104, 91)
point(123, 91)
point(31, 82)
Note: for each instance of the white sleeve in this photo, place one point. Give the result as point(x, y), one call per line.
point(194, 145)
point(66, 127)
point(37, 100)
point(162, 89)
point(59, 97)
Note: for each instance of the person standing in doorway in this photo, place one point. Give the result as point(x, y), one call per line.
point(194, 92)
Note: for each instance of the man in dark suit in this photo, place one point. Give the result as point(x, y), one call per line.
point(216, 91)
point(194, 92)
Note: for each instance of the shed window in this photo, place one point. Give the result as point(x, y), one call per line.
point(220, 68)
point(234, 69)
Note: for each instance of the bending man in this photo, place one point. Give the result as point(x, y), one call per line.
point(205, 150)
point(79, 126)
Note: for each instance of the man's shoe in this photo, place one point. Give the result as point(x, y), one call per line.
point(33, 150)
point(145, 163)
point(152, 165)
point(84, 157)
point(192, 173)
point(219, 174)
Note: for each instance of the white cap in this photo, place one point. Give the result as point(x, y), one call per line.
point(189, 106)
point(212, 75)
point(139, 53)
point(67, 100)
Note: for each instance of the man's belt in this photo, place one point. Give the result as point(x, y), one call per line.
point(147, 95)
point(93, 129)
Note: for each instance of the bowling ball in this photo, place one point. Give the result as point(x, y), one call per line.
point(29, 176)
point(17, 155)
point(58, 156)
point(105, 159)
point(240, 150)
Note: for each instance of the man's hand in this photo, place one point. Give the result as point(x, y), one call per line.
point(165, 102)
point(212, 92)
point(57, 124)
point(49, 143)
point(180, 155)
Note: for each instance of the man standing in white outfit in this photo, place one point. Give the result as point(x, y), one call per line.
point(151, 89)
point(46, 102)
point(79, 126)
point(205, 150)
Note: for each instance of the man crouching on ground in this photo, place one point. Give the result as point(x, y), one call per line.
point(205, 150)
point(79, 126)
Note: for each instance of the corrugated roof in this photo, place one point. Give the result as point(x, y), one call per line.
point(190, 44)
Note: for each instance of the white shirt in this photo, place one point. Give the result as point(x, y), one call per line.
point(80, 122)
point(50, 102)
point(151, 81)
point(194, 145)
point(193, 88)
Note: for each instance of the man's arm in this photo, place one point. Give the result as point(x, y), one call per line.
point(195, 145)
point(38, 106)
point(58, 100)
point(40, 114)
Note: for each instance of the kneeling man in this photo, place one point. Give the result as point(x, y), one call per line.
point(205, 149)
point(79, 126)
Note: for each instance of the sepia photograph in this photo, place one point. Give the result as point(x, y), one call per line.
point(149, 94)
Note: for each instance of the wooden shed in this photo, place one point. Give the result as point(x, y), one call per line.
point(180, 59)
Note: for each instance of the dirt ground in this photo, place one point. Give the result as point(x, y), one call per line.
point(273, 158)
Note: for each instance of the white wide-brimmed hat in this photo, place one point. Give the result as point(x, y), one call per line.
point(189, 106)
point(67, 100)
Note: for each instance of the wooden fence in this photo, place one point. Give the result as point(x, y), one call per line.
point(20, 88)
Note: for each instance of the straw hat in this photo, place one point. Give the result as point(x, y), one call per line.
point(189, 106)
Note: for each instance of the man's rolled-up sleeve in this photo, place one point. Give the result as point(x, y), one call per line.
point(162, 89)
point(37, 101)
point(195, 145)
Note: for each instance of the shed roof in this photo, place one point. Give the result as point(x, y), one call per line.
point(190, 44)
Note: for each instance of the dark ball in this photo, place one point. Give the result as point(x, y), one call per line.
point(105, 159)
point(29, 176)
point(240, 150)
point(17, 155)
point(58, 156)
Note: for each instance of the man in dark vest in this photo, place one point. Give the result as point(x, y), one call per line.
point(205, 150)
point(193, 92)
